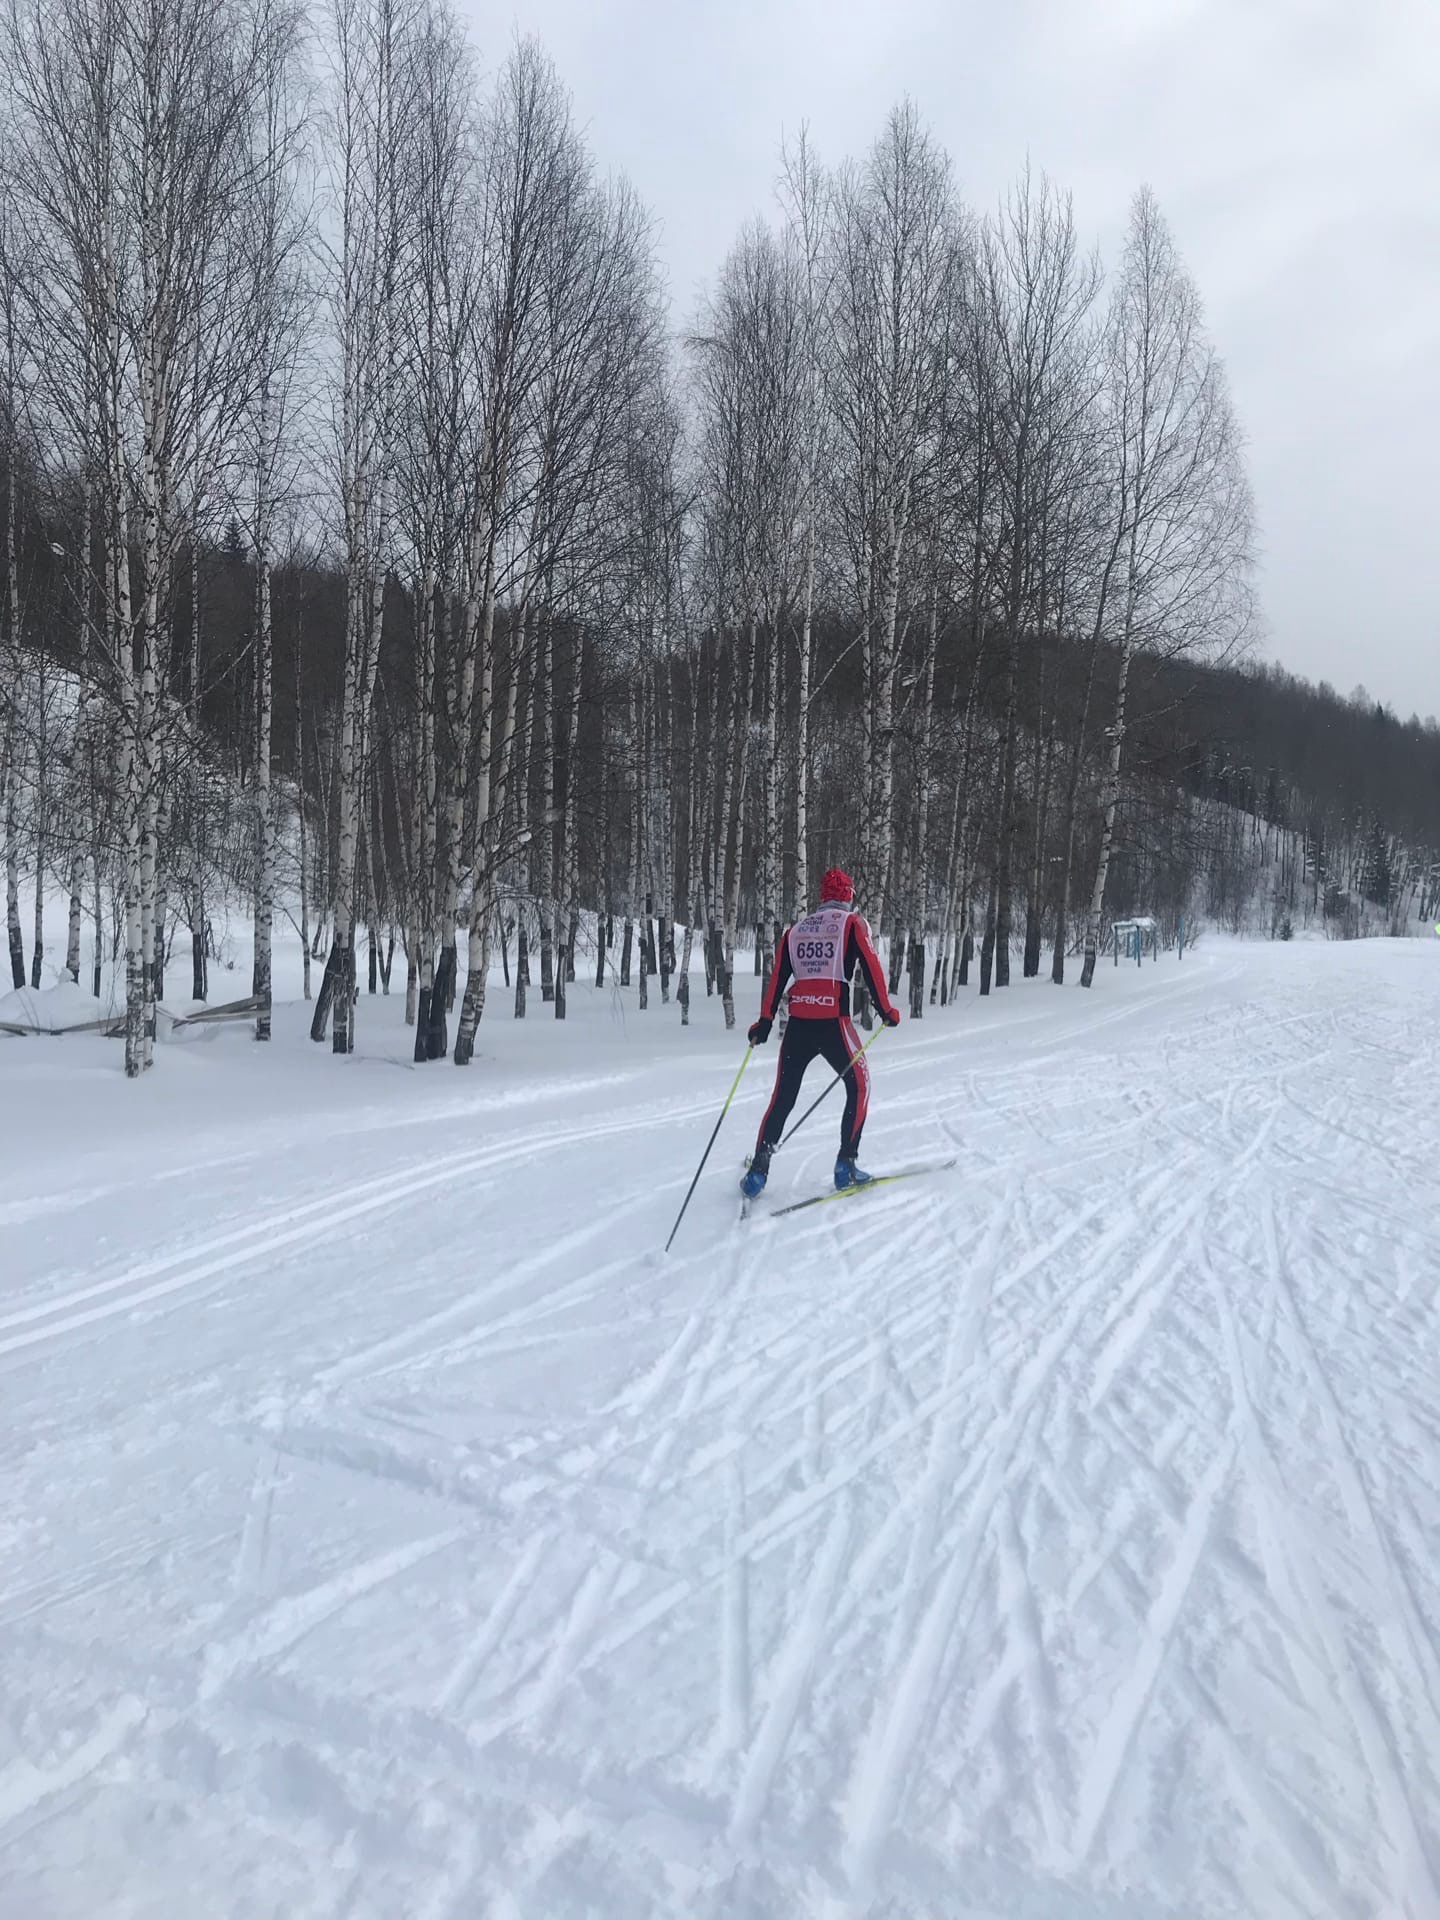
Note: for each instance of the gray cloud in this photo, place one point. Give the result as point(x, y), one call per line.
point(1293, 144)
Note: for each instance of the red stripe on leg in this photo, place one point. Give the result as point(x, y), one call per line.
point(861, 1070)
point(774, 1096)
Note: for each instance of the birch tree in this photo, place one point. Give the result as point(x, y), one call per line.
point(437, 337)
point(277, 234)
point(373, 126)
point(1039, 289)
point(806, 198)
point(13, 264)
point(895, 239)
point(531, 161)
point(135, 169)
point(1181, 501)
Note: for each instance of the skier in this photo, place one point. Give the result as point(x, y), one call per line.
point(816, 960)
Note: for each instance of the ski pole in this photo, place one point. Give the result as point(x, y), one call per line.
point(706, 1155)
point(833, 1084)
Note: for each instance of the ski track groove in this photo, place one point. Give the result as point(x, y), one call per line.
point(1150, 1288)
point(463, 1676)
point(1384, 1767)
point(1043, 1361)
point(281, 1626)
point(1016, 1597)
point(185, 1267)
point(962, 1335)
point(877, 1780)
point(789, 1680)
point(1277, 1818)
point(1360, 1508)
point(259, 1514)
point(257, 1237)
point(25, 1785)
point(1115, 1741)
point(733, 1667)
point(589, 1606)
point(371, 1362)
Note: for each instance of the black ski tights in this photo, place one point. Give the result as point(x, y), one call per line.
point(835, 1042)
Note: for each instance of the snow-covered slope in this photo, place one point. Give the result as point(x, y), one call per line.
point(390, 1533)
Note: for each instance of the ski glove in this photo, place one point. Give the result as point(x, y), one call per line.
point(891, 1017)
point(760, 1032)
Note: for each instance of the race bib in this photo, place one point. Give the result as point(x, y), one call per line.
point(817, 960)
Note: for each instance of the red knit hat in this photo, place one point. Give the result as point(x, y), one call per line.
point(837, 885)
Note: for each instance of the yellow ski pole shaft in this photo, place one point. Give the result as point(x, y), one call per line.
point(833, 1084)
point(713, 1138)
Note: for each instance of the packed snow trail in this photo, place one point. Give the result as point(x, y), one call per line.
point(390, 1532)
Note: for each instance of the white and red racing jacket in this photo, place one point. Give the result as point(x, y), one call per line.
point(815, 962)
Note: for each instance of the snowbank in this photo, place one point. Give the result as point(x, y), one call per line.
point(63, 1008)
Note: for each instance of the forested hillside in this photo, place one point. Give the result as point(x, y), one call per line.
point(380, 548)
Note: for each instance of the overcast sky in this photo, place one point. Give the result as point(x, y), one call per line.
point(1293, 144)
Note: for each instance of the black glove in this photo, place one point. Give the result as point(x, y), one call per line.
point(760, 1032)
point(892, 1017)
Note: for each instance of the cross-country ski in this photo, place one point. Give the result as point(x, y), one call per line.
point(875, 1183)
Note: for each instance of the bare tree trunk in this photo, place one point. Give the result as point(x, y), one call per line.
point(10, 659)
point(72, 934)
point(337, 987)
point(603, 901)
point(490, 818)
point(96, 958)
point(1034, 892)
point(41, 814)
point(12, 856)
point(442, 991)
point(427, 802)
point(1110, 806)
point(920, 892)
point(132, 789)
point(130, 782)
point(643, 852)
point(769, 930)
point(522, 949)
point(264, 802)
point(547, 867)
point(882, 804)
point(472, 1005)
point(666, 837)
point(987, 949)
point(565, 905)
point(162, 892)
point(802, 730)
point(301, 818)
point(632, 861)
point(694, 788)
point(1009, 753)
point(150, 931)
point(522, 962)
point(735, 826)
point(1072, 796)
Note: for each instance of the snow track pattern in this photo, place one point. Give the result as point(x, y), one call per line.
point(1050, 1536)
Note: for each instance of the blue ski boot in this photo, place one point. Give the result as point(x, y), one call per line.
point(758, 1172)
point(848, 1174)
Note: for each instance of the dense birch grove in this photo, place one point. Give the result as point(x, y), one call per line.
point(382, 554)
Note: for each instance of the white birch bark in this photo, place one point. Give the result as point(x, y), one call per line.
point(565, 902)
point(1181, 500)
point(10, 663)
point(264, 800)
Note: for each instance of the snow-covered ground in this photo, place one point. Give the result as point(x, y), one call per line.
point(390, 1533)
